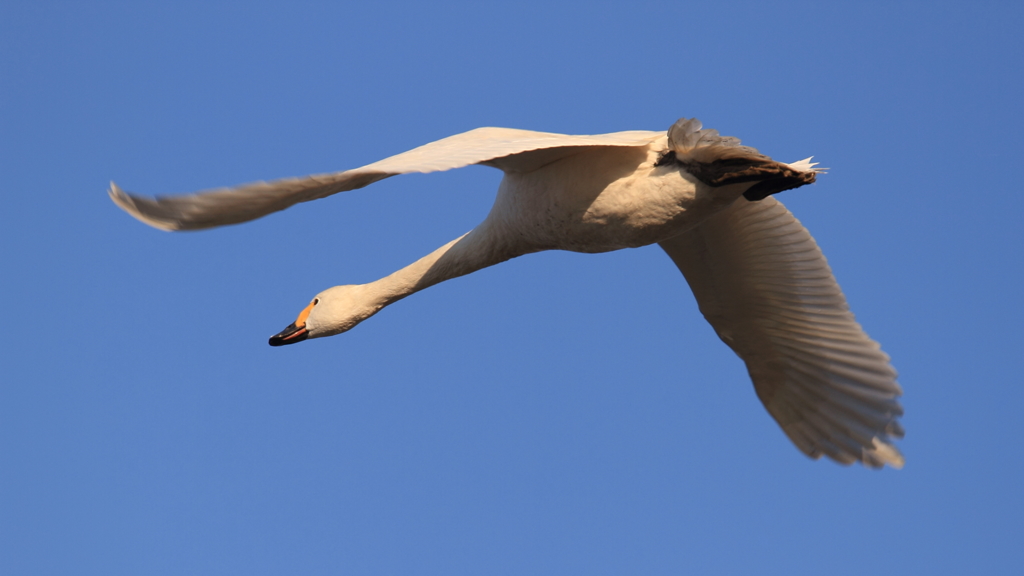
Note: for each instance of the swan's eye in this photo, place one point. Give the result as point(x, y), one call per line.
point(316, 301)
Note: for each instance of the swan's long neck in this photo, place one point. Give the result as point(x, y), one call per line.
point(477, 249)
point(341, 308)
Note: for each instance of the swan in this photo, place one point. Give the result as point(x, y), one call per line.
point(758, 276)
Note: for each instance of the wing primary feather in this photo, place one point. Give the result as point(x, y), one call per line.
point(239, 204)
point(763, 284)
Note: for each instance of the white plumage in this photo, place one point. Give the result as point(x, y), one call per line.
point(758, 276)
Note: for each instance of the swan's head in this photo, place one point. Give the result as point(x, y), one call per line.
point(331, 312)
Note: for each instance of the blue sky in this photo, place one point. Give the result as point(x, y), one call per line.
point(557, 414)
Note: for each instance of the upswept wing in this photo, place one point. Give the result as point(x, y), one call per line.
point(763, 284)
point(224, 206)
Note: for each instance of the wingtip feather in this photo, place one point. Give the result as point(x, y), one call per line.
point(130, 204)
point(886, 453)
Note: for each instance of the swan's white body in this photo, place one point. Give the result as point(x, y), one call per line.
point(758, 276)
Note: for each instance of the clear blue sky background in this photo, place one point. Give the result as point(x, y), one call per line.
point(557, 414)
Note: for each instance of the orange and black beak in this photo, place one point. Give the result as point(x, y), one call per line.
point(296, 331)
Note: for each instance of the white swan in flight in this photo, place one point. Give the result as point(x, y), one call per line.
point(758, 276)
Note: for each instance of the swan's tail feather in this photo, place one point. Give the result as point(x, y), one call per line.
point(806, 165)
point(718, 160)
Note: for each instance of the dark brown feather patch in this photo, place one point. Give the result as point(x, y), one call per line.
point(771, 177)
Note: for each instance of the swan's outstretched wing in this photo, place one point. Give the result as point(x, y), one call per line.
point(764, 286)
point(502, 148)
